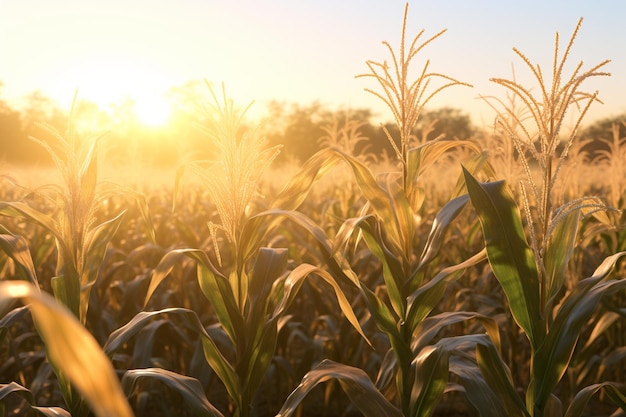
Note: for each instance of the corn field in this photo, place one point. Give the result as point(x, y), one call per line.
point(475, 277)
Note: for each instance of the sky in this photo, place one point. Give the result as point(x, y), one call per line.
point(296, 51)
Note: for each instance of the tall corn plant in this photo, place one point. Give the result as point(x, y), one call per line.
point(81, 237)
point(252, 286)
point(532, 275)
point(415, 372)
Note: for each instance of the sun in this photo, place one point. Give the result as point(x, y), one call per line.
point(152, 110)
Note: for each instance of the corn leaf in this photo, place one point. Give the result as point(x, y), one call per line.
point(554, 355)
point(96, 243)
point(392, 207)
point(498, 377)
point(212, 354)
point(17, 248)
point(432, 372)
point(354, 382)
point(294, 281)
point(52, 411)
point(19, 209)
point(422, 157)
point(72, 350)
point(431, 378)
point(509, 254)
point(269, 265)
point(425, 298)
point(393, 273)
point(189, 388)
point(429, 328)
point(15, 388)
point(298, 187)
point(262, 331)
point(213, 284)
point(616, 392)
point(486, 402)
point(219, 292)
point(386, 321)
point(338, 265)
point(442, 220)
point(559, 250)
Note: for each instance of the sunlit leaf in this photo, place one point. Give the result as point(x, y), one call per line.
point(554, 355)
point(428, 296)
point(17, 248)
point(52, 411)
point(72, 350)
point(442, 220)
point(559, 250)
point(509, 254)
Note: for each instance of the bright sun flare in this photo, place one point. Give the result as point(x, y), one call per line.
point(152, 110)
point(115, 78)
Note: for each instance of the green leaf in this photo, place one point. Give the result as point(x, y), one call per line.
point(218, 290)
point(213, 284)
point(354, 382)
point(14, 387)
point(554, 355)
point(269, 265)
point(486, 402)
point(338, 265)
point(559, 250)
point(509, 254)
point(432, 371)
point(432, 326)
point(294, 281)
point(189, 388)
point(390, 204)
point(72, 350)
point(614, 391)
point(393, 273)
point(298, 187)
point(431, 378)
point(212, 354)
point(442, 220)
point(498, 377)
point(96, 243)
point(427, 297)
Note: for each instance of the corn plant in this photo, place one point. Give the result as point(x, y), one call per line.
point(533, 275)
point(415, 371)
point(81, 238)
point(251, 299)
point(70, 348)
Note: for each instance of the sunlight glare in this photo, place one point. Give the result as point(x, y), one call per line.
point(152, 110)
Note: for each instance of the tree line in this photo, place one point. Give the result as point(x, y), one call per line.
point(300, 129)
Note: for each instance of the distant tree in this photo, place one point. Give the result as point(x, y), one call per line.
point(12, 135)
point(599, 134)
point(447, 122)
point(299, 128)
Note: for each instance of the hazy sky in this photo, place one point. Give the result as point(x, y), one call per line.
point(294, 51)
